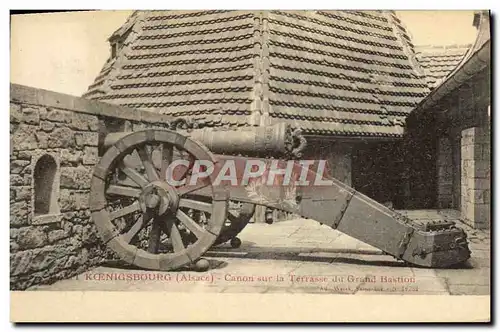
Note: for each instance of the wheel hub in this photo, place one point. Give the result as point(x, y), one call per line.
point(159, 197)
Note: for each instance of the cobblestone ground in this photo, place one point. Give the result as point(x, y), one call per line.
point(299, 256)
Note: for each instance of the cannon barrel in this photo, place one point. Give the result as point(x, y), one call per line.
point(276, 139)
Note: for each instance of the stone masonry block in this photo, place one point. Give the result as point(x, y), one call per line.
point(90, 155)
point(20, 262)
point(76, 177)
point(19, 214)
point(87, 138)
point(42, 139)
point(25, 155)
point(23, 138)
point(17, 166)
point(71, 200)
point(70, 156)
point(16, 116)
point(482, 215)
point(23, 193)
point(481, 183)
point(82, 121)
point(468, 182)
point(31, 237)
point(16, 180)
point(57, 235)
point(468, 134)
point(468, 152)
point(48, 257)
point(482, 169)
point(47, 126)
point(57, 115)
point(481, 196)
point(62, 137)
point(475, 135)
point(31, 116)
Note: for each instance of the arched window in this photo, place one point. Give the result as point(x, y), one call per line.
point(45, 194)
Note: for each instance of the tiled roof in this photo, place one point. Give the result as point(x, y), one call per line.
point(476, 59)
point(328, 72)
point(439, 61)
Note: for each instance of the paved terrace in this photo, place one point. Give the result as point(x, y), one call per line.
point(302, 256)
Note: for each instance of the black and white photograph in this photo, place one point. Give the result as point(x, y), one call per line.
point(268, 152)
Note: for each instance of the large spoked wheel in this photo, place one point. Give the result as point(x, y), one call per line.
point(147, 220)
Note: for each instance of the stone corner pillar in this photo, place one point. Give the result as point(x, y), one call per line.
point(476, 179)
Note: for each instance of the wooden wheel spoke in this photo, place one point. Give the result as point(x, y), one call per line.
point(188, 170)
point(167, 153)
point(147, 162)
point(141, 222)
point(124, 211)
point(133, 174)
point(175, 235)
point(232, 216)
point(133, 160)
point(186, 189)
point(196, 205)
point(154, 236)
point(123, 191)
point(190, 224)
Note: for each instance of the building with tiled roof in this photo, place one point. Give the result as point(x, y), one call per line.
point(439, 60)
point(340, 73)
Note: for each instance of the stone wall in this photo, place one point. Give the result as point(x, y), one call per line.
point(60, 241)
point(57, 136)
point(476, 176)
point(444, 173)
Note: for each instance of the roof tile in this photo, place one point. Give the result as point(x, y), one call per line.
point(439, 61)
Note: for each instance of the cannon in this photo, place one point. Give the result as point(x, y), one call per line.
point(160, 198)
point(278, 140)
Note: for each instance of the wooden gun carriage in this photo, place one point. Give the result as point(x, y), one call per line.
point(153, 223)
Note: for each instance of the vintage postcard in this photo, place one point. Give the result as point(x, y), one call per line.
point(250, 166)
